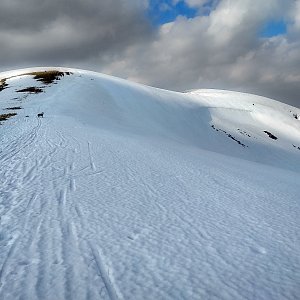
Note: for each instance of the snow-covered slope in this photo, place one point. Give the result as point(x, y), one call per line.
point(123, 191)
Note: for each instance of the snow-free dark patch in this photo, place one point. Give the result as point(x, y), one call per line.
point(272, 136)
point(229, 135)
point(243, 132)
point(233, 138)
point(5, 117)
point(13, 108)
point(31, 90)
point(297, 147)
point(48, 77)
point(3, 84)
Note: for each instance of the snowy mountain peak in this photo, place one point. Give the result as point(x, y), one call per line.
point(114, 190)
point(231, 123)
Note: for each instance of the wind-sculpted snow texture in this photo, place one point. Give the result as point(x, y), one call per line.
point(124, 191)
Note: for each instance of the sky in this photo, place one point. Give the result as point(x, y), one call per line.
point(243, 45)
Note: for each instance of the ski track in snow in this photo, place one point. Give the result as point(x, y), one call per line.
point(95, 214)
point(43, 243)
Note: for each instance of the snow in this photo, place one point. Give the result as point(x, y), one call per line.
point(123, 191)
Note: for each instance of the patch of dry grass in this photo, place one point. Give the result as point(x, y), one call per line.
point(3, 84)
point(13, 108)
point(31, 90)
point(48, 77)
point(5, 117)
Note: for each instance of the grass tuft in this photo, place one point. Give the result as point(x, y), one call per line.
point(48, 77)
point(3, 84)
point(13, 108)
point(5, 117)
point(31, 90)
point(271, 136)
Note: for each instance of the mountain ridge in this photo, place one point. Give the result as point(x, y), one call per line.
point(122, 191)
point(245, 119)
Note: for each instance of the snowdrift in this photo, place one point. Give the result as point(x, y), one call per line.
point(230, 123)
point(123, 191)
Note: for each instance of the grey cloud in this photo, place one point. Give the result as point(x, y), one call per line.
point(36, 14)
point(59, 31)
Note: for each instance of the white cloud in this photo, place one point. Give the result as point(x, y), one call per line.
point(222, 50)
point(195, 3)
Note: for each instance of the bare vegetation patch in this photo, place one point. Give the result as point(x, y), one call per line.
point(5, 117)
point(3, 84)
point(14, 108)
point(31, 90)
point(48, 77)
point(271, 136)
point(243, 132)
point(229, 135)
point(296, 147)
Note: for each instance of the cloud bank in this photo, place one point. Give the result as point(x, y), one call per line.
point(222, 47)
point(68, 31)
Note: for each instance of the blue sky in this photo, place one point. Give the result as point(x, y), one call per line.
point(274, 28)
point(165, 11)
point(162, 12)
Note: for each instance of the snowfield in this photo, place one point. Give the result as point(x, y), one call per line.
point(124, 191)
